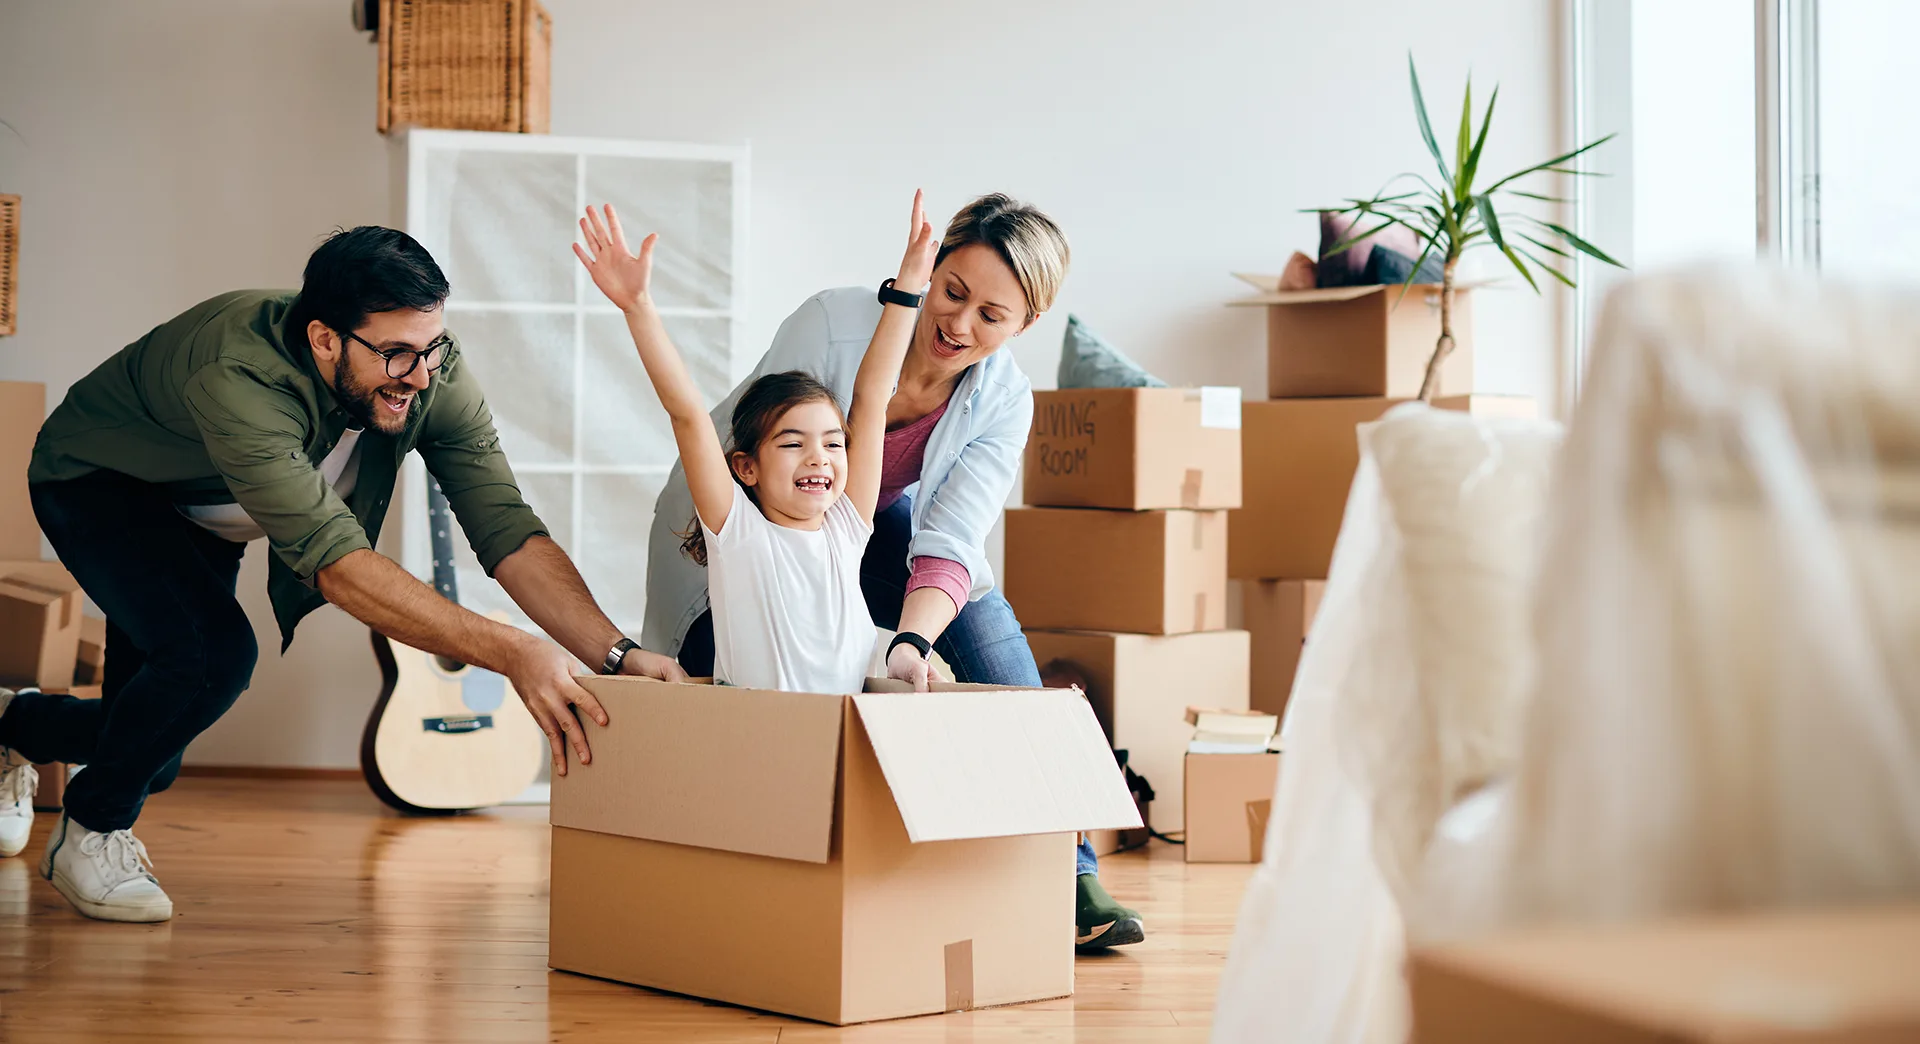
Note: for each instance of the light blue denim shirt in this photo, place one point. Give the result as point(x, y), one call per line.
point(972, 457)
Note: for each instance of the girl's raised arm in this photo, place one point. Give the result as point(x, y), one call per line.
point(626, 278)
point(880, 368)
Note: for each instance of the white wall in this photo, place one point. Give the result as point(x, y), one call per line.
point(174, 151)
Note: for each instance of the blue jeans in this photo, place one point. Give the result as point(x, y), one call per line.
point(983, 644)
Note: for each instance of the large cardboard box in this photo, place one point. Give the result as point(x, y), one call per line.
point(1839, 976)
point(39, 625)
point(1363, 341)
point(1150, 572)
point(839, 858)
point(23, 406)
point(1228, 798)
point(1278, 614)
point(1134, 448)
point(1298, 457)
point(1140, 687)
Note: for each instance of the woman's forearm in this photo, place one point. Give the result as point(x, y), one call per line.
point(927, 611)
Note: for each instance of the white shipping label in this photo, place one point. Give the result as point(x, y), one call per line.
point(1220, 407)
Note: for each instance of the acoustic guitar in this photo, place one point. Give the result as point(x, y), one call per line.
point(444, 736)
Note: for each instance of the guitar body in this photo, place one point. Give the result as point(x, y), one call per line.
point(446, 741)
point(446, 737)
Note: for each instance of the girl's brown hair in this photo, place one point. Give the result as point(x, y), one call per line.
point(761, 406)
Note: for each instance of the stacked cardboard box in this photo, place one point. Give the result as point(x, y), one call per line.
point(1336, 358)
point(45, 642)
point(1232, 763)
point(1118, 568)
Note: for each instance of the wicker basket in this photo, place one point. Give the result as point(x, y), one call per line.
point(9, 262)
point(465, 64)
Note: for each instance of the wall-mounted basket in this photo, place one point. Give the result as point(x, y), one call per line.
point(465, 65)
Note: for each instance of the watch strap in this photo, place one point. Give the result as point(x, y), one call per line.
point(617, 654)
point(890, 295)
point(909, 638)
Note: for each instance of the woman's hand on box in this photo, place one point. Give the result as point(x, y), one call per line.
point(904, 663)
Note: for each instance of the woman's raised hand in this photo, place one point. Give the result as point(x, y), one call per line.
point(916, 268)
point(622, 276)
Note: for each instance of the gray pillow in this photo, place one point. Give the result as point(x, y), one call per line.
point(1088, 361)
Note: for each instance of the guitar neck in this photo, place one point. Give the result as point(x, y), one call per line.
point(440, 527)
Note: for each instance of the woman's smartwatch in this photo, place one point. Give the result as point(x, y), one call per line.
point(920, 644)
point(888, 295)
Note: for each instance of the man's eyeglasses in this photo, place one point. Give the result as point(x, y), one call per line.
point(401, 362)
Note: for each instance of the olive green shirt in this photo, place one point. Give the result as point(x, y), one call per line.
point(224, 405)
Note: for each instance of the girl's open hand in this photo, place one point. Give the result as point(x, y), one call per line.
point(916, 268)
point(622, 276)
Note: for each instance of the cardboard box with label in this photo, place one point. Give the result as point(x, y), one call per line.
point(23, 407)
point(1134, 448)
point(1298, 457)
point(1363, 341)
point(39, 625)
point(1277, 613)
point(1150, 572)
point(838, 858)
point(1839, 976)
point(1141, 685)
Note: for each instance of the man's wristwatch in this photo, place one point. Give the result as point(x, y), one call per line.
point(617, 654)
point(889, 295)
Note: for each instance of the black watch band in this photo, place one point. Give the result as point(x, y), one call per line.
point(909, 638)
point(617, 654)
point(888, 295)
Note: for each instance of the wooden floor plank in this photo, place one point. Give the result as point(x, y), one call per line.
point(306, 911)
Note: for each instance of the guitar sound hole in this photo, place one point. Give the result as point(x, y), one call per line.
point(449, 664)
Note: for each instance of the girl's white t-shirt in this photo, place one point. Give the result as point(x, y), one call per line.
point(787, 609)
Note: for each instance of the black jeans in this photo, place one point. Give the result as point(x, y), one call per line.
point(180, 649)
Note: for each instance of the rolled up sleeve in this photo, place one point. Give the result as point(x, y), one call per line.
point(254, 431)
point(461, 448)
point(962, 511)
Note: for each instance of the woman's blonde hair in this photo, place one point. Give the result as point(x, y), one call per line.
point(1026, 239)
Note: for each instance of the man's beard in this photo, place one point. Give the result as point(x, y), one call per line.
point(363, 406)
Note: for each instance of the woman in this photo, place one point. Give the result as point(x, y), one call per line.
point(956, 428)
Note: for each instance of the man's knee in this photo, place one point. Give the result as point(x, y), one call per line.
point(215, 658)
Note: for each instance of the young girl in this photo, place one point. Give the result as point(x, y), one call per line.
point(783, 519)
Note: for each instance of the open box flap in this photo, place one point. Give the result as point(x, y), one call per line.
point(980, 762)
point(741, 770)
point(1347, 293)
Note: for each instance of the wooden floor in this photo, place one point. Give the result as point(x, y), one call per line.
point(304, 911)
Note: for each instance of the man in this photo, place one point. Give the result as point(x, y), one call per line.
point(267, 414)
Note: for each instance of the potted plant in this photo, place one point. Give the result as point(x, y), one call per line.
point(1458, 214)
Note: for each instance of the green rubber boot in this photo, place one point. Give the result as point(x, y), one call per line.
point(1099, 922)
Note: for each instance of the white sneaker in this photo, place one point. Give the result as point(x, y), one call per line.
point(18, 783)
point(104, 876)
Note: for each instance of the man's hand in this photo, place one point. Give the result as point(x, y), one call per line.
point(905, 663)
point(651, 665)
point(542, 673)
